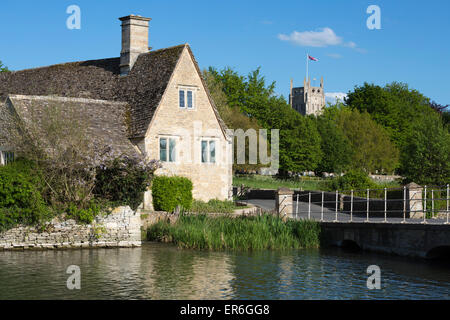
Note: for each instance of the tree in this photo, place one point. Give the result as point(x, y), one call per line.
point(336, 148)
point(299, 138)
point(372, 148)
point(3, 68)
point(444, 111)
point(232, 116)
point(427, 156)
point(394, 106)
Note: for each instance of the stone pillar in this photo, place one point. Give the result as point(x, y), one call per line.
point(414, 205)
point(284, 202)
point(148, 200)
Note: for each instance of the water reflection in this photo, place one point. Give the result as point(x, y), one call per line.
point(159, 271)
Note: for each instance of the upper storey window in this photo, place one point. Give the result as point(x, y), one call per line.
point(186, 97)
point(182, 99)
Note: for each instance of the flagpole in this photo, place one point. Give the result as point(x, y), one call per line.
point(307, 67)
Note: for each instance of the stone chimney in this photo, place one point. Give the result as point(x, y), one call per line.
point(134, 41)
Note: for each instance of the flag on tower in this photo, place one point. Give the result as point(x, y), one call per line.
point(312, 58)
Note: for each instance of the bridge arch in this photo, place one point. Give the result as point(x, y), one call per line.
point(439, 252)
point(350, 245)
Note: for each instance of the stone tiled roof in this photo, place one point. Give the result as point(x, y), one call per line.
point(142, 89)
point(103, 121)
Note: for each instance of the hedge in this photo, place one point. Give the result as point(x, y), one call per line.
point(170, 192)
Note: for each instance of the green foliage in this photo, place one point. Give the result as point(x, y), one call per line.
point(426, 159)
point(86, 215)
point(213, 206)
point(237, 233)
point(299, 138)
point(411, 120)
point(3, 68)
point(352, 180)
point(233, 118)
point(30, 170)
point(268, 182)
point(170, 192)
point(123, 181)
point(336, 147)
point(394, 106)
point(20, 200)
point(371, 147)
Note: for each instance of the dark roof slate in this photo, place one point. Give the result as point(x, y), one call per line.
point(103, 120)
point(142, 89)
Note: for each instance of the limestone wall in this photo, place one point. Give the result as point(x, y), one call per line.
point(189, 127)
point(121, 228)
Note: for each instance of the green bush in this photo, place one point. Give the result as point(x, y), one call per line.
point(169, 192)
point(352, 180)
point(123, 181)
point(30, 170)
point(86, 215)
point(20, 199)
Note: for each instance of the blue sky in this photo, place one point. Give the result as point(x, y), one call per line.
point(413, 45)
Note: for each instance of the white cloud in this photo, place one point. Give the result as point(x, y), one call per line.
point(350, 44)
point(334, 55)
point(321, 38)
point(332, 97)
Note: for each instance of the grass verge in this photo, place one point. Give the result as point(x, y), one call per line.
point(269, 182)
point(214, 206)
point(304, 183)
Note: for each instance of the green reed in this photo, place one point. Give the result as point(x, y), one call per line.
point(237, 233)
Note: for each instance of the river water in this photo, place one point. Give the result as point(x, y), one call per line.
point(162, 271)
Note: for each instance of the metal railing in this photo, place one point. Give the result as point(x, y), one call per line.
point(428, 204)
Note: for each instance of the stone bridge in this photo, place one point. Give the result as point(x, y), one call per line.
point(414, 240)
point(390, 232)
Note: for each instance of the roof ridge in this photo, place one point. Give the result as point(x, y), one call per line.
point(62, 64)
point(91, 60)
point(168, 48)
point(65, 99)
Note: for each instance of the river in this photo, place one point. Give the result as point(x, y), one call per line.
point(162, 271)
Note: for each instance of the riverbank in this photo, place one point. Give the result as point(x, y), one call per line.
point(236, 233)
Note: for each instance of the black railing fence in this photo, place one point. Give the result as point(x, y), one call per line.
point(407, 204)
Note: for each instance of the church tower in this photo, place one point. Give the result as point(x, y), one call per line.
point(308, 99)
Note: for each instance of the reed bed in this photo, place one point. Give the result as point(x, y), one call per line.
point(236, 233)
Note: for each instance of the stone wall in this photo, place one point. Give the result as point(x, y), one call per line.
point(121, 228)
point(414, 240)
point(189, 127)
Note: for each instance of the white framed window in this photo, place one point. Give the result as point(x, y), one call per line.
point(186, 97)
point(208, 151)
point(7, 157)
point(167, 149)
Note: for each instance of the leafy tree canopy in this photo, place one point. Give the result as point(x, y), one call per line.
point(426, 159)
point(394, 106)
point(299, 138)
point(336, 147)
point(372, 149)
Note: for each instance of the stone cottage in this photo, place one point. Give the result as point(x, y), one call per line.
point(153, 102)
